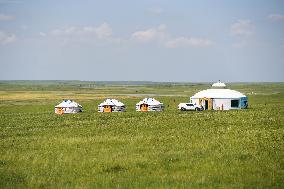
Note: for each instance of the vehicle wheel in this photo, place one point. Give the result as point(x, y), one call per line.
point(197, 109)
point(182, 109)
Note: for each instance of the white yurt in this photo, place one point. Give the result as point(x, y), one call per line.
point(149, 104)
point(219, 98)
point(111, 105)
point(68, 107)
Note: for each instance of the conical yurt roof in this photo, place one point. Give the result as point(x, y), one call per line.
point(218, 93)
point(149, 101)
point(111, 102)
point(68, 104)
point(219, 84)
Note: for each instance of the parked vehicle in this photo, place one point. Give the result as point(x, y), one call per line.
point(189, 106)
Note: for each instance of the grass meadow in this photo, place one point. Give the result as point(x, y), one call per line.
point(169, 149)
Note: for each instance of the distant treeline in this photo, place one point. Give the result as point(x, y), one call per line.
point(78, 82)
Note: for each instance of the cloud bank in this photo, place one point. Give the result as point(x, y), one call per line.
point(242, 28)
point(157, 35)
point(161, 36)
point(101, 32)
point(276, 17)
point(6, 17)
point(6, 38)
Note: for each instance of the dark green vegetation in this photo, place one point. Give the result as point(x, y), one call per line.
point(170, 149)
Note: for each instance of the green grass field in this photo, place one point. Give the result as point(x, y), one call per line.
point(170, 149)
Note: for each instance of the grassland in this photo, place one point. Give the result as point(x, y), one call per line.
point(170, 149)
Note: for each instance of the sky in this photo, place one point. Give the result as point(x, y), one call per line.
point(149, 40)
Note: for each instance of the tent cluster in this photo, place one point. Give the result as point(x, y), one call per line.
point(216, 98)
point(109, 105)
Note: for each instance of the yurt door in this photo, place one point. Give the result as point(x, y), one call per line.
point(206, 105)
point(59, 111)
point(107, 109)
point(144, 107)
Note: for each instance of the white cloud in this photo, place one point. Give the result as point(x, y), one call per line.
point(188, 41)
point(242, 28)
point(102, 32)
point(276, 17)
point(6, 17)
point(144, 36)
point(65, 32)
point(152, 34)
point(161, 36)
point(6, 38)
point(42, 34)
point(156, 11)
point(84, 34)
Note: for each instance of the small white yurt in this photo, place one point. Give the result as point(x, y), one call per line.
point(111, 105)
point(68, 107)
point(149, 104)
point(219, 98)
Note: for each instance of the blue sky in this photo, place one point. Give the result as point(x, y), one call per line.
point(149, 40)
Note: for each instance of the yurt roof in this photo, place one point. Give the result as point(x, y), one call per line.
point(218, 93)
point(219, 84)
point(149, 101)
point(68, 104)
point(111, 102)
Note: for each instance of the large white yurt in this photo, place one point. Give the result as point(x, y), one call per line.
point(219, 98)
point(149, 104)
point(68, 107)
point(111, 105)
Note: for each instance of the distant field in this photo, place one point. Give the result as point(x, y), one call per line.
point(170, 149)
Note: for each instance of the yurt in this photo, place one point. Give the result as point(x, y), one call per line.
point(149, 104)
point(111, 105)
point(68, 107)
point(219, 98)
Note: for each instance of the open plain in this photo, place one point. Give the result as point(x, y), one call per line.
point(169, 149)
